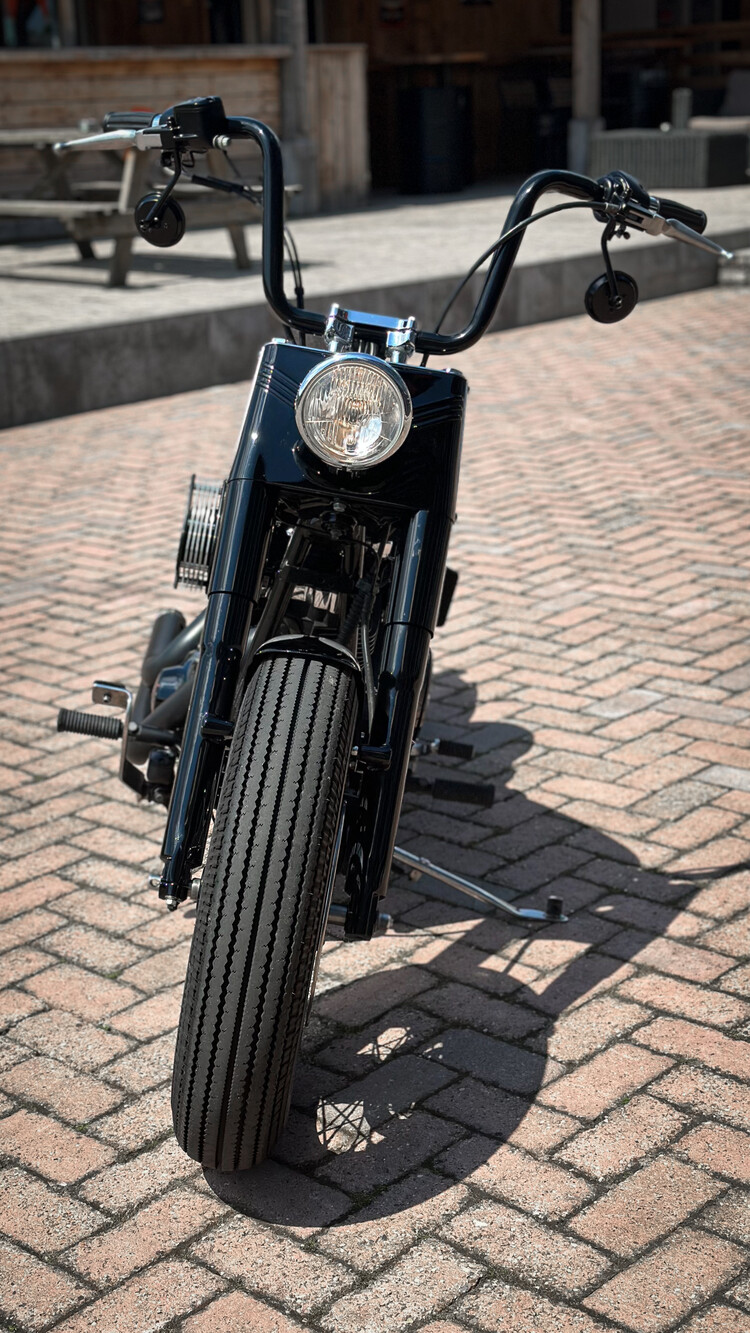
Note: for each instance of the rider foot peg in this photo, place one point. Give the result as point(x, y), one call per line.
point(455, 749)
point(337, 917)
point(89, 724)
point(472, 793)
point(451, 749)
point(446, 789)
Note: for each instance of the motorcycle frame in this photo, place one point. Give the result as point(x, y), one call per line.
point(417, 486)
point(412, 494)
point(414, 491)
point(274, 476)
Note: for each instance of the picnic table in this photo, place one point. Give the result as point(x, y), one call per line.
point(103, 210)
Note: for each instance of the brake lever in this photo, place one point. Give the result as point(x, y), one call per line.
point(107, 139)
point(679, 232)
point(655, 225)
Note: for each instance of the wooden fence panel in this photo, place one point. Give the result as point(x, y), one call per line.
point(49, 89)
point(62, 88)
point(337, 84)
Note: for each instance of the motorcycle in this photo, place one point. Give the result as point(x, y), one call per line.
point(282, 726)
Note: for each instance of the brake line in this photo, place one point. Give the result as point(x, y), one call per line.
point(290, 246)
point(507, 236)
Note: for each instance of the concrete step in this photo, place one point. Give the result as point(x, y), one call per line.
point(737, 272)
point(188, 320)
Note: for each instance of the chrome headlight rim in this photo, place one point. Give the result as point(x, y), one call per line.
point(379, 366)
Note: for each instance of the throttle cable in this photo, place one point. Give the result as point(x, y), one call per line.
point(507, 236)
point(289, 245)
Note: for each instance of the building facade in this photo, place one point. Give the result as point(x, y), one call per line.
point(446, 92)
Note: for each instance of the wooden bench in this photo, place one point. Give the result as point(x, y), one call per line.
point(110, 216)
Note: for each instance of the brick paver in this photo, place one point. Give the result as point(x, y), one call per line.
point(492, 1130)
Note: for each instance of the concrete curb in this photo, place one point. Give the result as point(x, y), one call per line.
point(80, 370)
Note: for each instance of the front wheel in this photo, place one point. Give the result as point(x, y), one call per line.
point(259, 911)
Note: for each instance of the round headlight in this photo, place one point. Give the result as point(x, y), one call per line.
point(353, 410)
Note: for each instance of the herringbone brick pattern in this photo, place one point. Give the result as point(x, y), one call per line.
point(493, 1130)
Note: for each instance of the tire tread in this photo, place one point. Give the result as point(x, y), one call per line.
point(259, 911)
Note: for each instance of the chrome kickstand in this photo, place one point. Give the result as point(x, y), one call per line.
point(553, 913)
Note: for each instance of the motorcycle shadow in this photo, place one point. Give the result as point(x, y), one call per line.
point(412, 1077)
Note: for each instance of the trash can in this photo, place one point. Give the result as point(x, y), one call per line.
point(436, 149)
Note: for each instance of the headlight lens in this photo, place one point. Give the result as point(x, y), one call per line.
point(353, 410)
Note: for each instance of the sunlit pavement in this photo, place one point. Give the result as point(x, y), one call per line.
point(543, 1132)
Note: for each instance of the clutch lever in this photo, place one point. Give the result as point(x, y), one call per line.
point(655, 225)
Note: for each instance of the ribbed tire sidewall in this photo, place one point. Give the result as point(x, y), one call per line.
point(259, 910)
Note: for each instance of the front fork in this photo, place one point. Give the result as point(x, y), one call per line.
point(412, 615)
point(403, 663)
point(380, 761)
point(234, 588)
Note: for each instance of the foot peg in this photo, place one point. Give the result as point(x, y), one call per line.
point(89, 724)
point(447, 789)
point(113, 729)
point(553, 913)
point(108, 728)
point(337, 917)
point(450, 749)
point(92, 724)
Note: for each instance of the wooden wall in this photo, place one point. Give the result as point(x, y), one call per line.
point(502, 30)
point(50, 88)
point(516, 67)
point(120, 23)
point(405, 40)
point(58, 89)
point(337, 84)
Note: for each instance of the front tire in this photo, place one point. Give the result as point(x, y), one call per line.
point(259, 911)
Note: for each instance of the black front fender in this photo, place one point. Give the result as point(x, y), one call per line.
point(306, 645)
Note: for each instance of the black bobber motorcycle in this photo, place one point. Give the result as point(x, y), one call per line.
point(281, 727)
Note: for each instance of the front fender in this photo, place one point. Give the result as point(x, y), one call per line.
point(307, 645)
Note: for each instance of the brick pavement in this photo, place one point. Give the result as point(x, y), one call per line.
point(540, 1132)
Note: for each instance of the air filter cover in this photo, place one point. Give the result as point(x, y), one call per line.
point(198, 540)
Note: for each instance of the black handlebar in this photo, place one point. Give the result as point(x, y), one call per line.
point(689, 217)
point(666, 208)
point(200, 124)
point(566, 182)
point(563, 182)
point(242, 127)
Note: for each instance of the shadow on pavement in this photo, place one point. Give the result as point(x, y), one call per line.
point(467, 1042)
point(72, 271)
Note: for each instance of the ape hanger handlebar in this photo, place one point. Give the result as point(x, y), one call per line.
point(199, 125)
